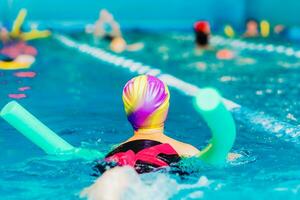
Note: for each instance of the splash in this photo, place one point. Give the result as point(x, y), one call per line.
point(268, 124)
point(125, 183)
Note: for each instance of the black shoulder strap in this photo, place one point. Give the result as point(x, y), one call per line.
point(135, 146)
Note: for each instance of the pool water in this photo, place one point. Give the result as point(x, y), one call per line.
point(79, 97)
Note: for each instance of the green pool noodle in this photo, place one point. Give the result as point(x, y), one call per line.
point(220, 121)
point(41, 135)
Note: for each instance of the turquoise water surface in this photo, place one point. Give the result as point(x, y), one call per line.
point(80, 98)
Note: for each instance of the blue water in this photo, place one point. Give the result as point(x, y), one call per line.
point(80, 98)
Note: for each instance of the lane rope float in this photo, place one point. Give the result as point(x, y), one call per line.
point(252, 46)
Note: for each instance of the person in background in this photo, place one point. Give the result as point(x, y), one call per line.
point(107, 28)
point(279, 29)
point(4, 39)
point(291, 33)
point(251, 28)
point(4, 35)
point(14, 41)
point(202, 34)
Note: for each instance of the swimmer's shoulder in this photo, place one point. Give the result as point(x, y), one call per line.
point(186, 150)
point(183, 149)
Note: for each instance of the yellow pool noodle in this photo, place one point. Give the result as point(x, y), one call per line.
point(18, 22)
point(14, 65)
point(229, 32)
point(35, 34)
point(43, 137)
point(264, 28)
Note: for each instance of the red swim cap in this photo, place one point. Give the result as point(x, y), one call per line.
point(202, 26)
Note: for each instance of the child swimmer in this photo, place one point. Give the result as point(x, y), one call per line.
point(107, 28)
point(146, 103)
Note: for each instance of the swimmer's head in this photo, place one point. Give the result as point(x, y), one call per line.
point(202, 26)
point(202, 31)
point(118, 44)
point(252, 26)
point(279, 29)
point(146, 102)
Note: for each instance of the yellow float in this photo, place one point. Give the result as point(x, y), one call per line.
point(16, 29)
point(25, 36)
point(229, 32)
point(264, 28)
point(21, 62)
point(35, 34)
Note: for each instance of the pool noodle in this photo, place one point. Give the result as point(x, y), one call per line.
point(13, 65)
point(220, 121)
point(229, 32)
point(35, 34)
point(18, 22)
point(33, 129)
point(41, 135)
point(265, 28)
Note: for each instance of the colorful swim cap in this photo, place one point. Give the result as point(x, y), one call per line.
point(146, 102)
point(202, 26)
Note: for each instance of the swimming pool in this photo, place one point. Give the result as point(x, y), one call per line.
point(79, 97)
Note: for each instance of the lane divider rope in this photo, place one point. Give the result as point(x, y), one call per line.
point(252, 46)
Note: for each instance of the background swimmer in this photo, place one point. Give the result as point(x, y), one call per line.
point(251, 28)
point(202, 34)
point(202, 37)
point(4, 35)
point(107, 28)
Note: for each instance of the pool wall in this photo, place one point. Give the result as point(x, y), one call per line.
point(152, 14)
point(146, 14)
point(276, 11)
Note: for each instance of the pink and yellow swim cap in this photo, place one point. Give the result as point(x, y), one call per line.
point(146, 102)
